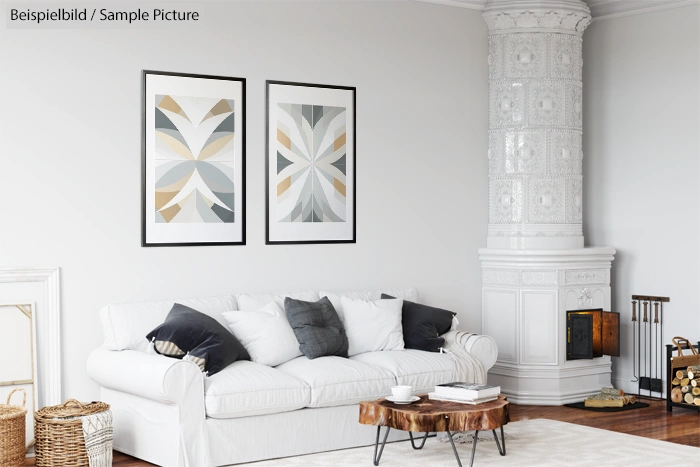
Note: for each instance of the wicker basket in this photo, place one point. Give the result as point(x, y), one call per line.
point(12, 432)
point(59, 433)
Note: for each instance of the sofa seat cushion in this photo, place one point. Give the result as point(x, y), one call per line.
point(340, 381)
point(245, 388)
point(417, 368)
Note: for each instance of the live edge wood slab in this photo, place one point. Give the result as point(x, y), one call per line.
point(428, 415)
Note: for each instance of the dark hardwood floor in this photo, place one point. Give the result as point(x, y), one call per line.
point(682, 426)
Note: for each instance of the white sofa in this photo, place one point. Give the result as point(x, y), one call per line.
point(166, 412)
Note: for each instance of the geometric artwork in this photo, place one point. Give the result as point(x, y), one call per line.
point(194, 159)
point(194, 133)
point(310, 163)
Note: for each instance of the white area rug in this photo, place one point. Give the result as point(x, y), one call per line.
point(540, 443)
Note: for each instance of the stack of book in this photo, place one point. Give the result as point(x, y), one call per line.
point(466, 393)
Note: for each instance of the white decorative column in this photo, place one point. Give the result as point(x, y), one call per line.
point(535, 266)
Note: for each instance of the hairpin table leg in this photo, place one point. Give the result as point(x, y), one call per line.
point(376, 444)
point(410, 434)
point(503, 440)
point(454, 449)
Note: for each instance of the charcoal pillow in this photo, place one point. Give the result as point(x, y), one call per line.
point(317, 327)
point(423, 325)
point(191, 335)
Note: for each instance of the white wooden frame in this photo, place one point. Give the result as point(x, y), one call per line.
point(47, 319)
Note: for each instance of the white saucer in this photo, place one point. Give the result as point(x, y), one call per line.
point(398, 401)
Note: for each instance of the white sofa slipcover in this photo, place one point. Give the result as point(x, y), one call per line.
point(422, 370)
point(339, 381)
point(248, 388)
point(166, 412)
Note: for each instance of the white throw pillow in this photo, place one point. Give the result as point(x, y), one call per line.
point(266, 334)
point(334, 297)
point(372, 325)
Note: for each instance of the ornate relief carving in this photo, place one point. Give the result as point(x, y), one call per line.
point(585, 276)
point(500, 230)
point(500, 276)
point(585, 298)
point(546, 104)
point(539, 277)
point(496, 53)
point(526, 55)
point(525, 152)
point(551, 233)
point(497, 140)
point(506, 201)
point(546, 201)
point(565, 154)
point(548, 277)
point(572, 22)
point(574, 106)
point(550, 20)
point(565, 56)
point(535, 116)
point(506, 106)
point(504, 21)
point(527, 20)
point(574, 200)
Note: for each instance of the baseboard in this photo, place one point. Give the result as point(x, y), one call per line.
point(553, 399)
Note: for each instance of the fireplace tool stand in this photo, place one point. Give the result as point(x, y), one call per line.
point(647, 341)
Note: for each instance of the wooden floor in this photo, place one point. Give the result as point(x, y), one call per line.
point(682, 426)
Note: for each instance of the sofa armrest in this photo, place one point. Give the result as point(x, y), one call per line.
point(153, 377)
point(483, 348)
point(167, 381)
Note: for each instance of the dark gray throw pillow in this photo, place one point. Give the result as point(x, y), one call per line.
point(192, 335)
point(317, 327)
point(423, 325)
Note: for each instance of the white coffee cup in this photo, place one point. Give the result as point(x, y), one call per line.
point(402, 393)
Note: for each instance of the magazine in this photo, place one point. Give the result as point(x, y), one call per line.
point(467, 390)
point(439, 397)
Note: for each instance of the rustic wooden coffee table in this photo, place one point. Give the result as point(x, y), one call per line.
point(426, 416)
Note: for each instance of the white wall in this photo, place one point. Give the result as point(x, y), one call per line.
point(642, 164)
point(70, 155)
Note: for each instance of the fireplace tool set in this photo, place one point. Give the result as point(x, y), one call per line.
point(647, 338)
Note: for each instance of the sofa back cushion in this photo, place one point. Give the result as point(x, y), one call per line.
point(334, 297)
point(125, 325)
point(256, 301)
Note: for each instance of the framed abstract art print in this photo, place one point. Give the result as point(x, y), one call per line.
point(193, 160)
point(310, 163)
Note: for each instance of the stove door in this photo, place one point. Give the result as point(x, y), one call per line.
point(579, 339)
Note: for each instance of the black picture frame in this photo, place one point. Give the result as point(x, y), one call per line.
point(144, 159)
point(353, 90)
